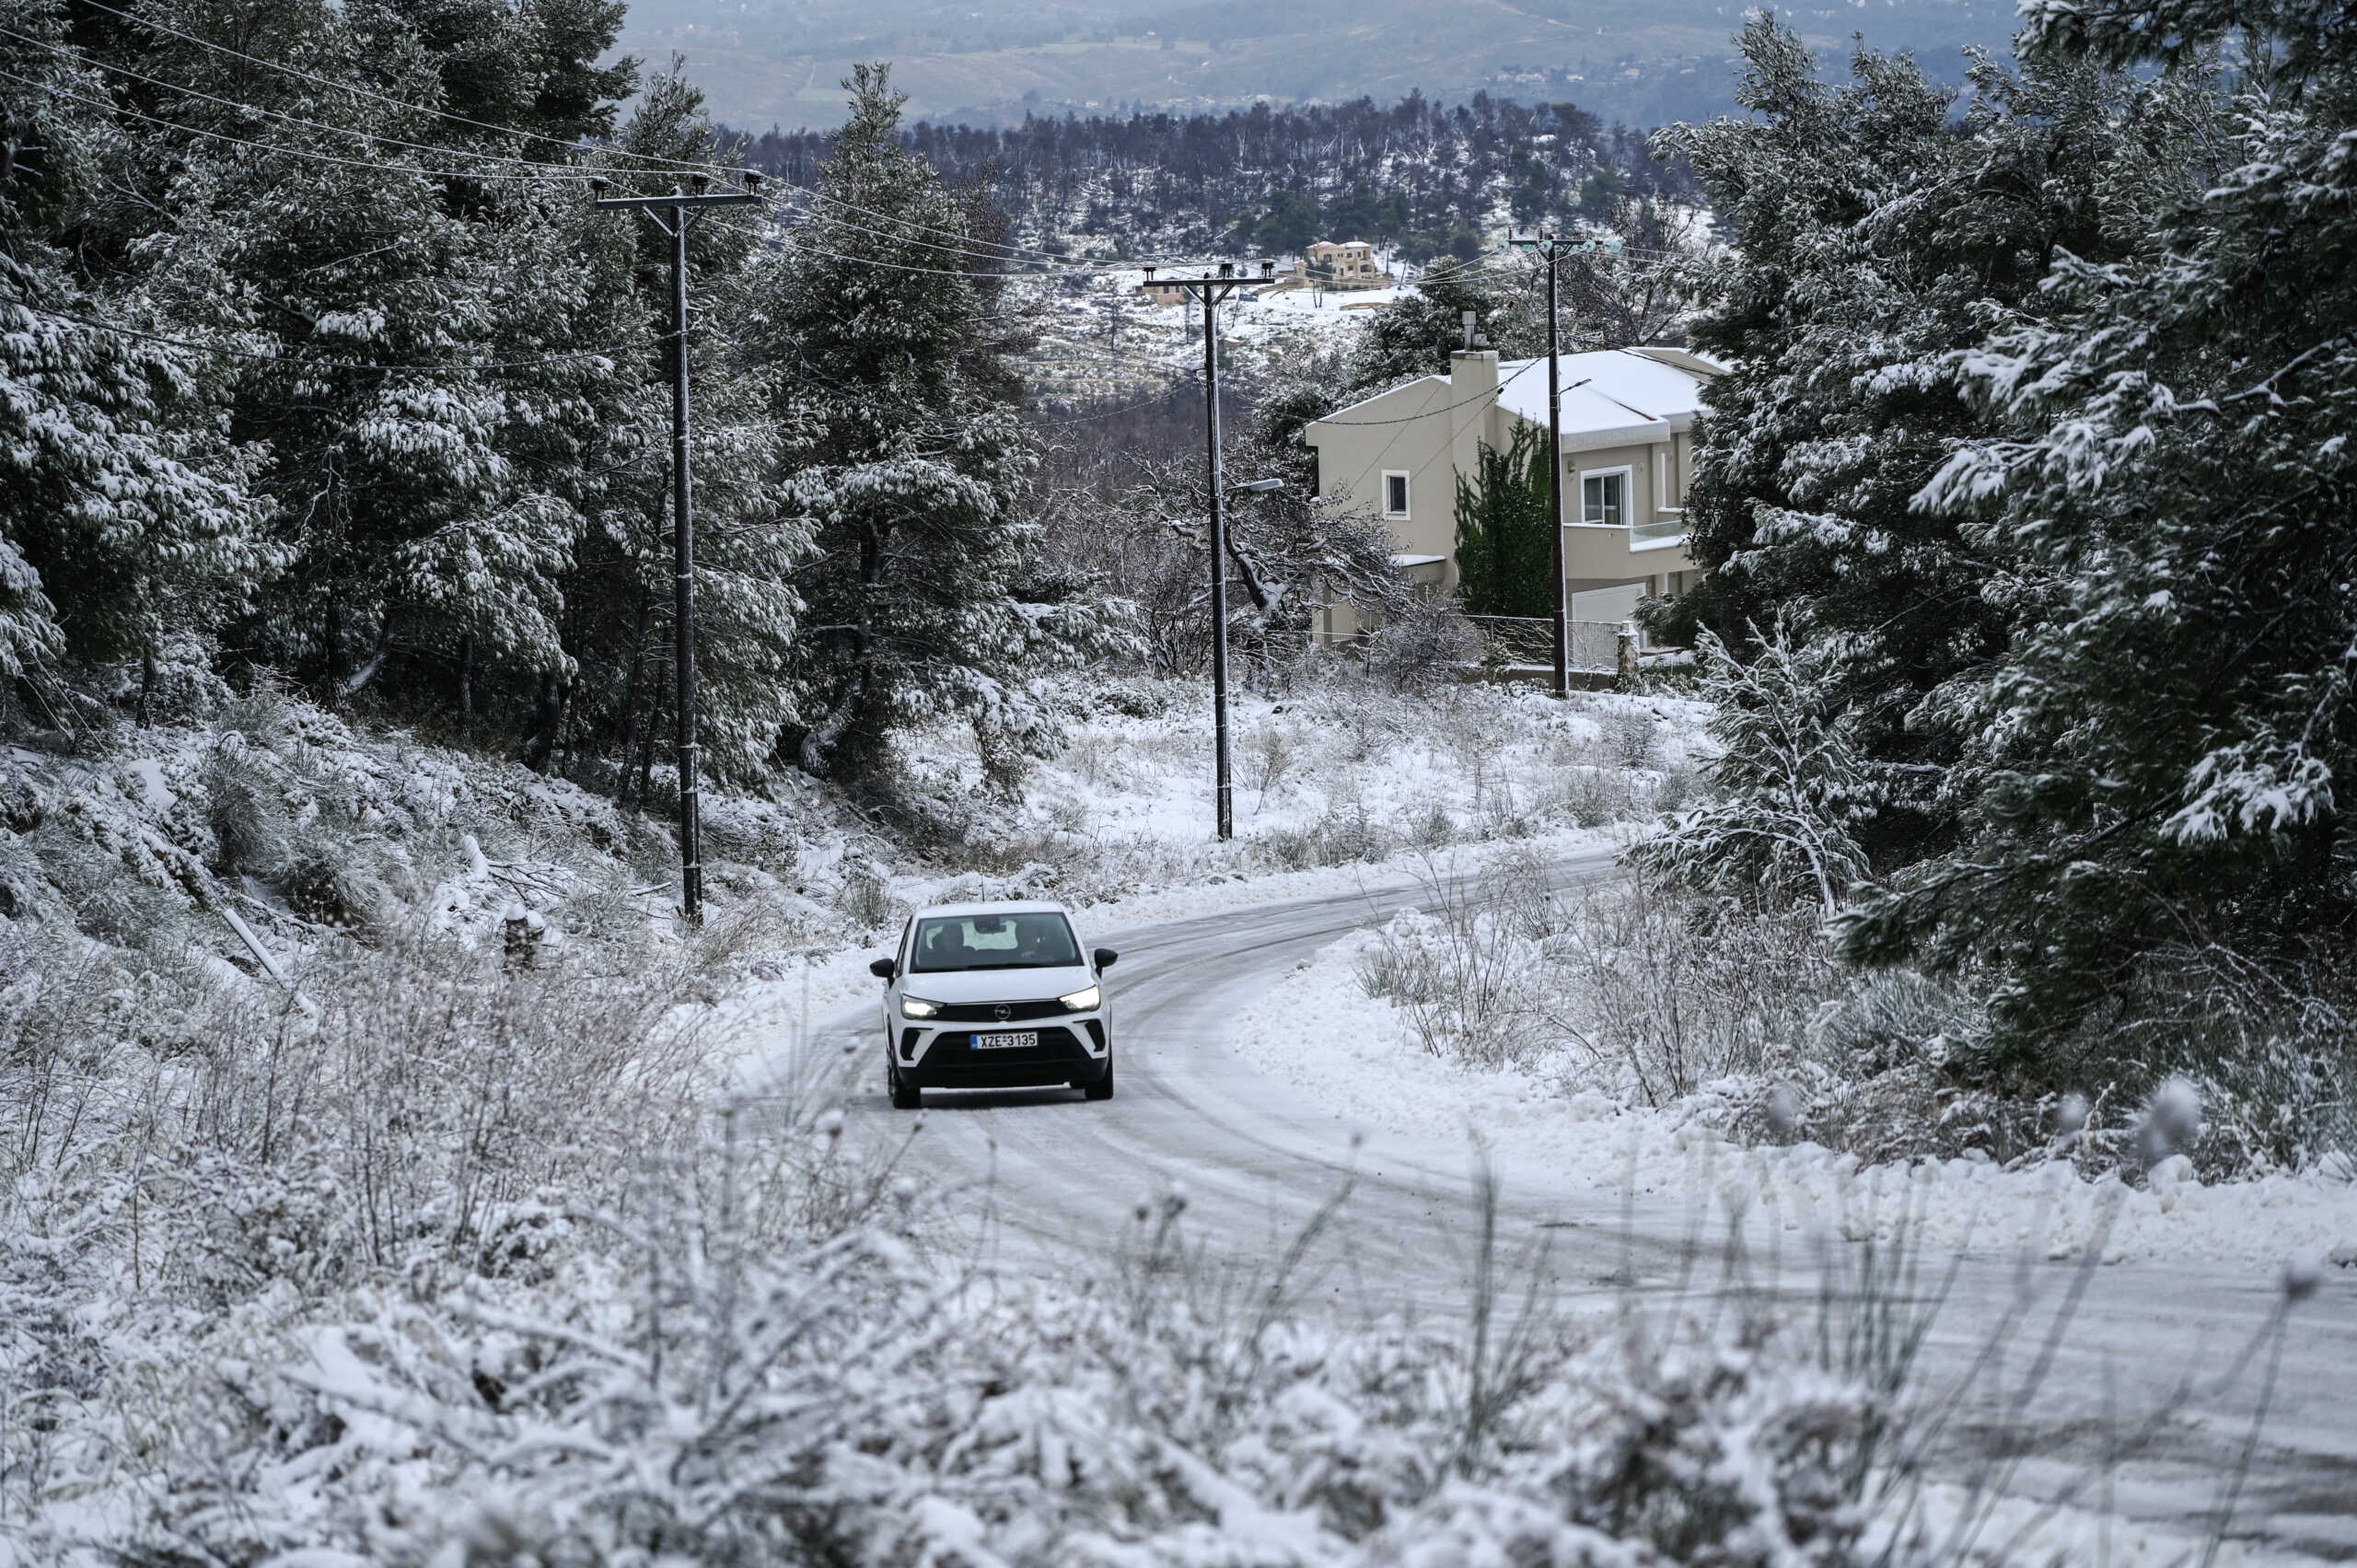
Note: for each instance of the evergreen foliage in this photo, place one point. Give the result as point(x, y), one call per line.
point(910, 456)
point(2168, 749)
point(123, 514)
point(1505, 555)
point(1793, 788)
point(2037, 442)
point(1415, 336)
point(1872, 238)
point(1418, 175)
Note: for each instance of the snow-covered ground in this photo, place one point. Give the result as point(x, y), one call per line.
point(250, 1335)
point(1321, 1034)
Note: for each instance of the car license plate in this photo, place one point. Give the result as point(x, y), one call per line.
point(1013, 1040)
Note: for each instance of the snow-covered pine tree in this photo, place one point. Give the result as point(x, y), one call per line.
point(429, 510)
point(309, 265)
point(619, 593)
point(124, 516)
point(1871, 236)
point(1504, 533)
point(910, 452)
point(2169, 748)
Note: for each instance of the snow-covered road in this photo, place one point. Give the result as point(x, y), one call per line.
point(1061, 1178)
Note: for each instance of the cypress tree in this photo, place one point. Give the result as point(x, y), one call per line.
point(1505, 554)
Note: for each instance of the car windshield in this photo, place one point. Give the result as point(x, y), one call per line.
point(993, 942)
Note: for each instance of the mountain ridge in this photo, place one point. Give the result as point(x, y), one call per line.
point(765, 63)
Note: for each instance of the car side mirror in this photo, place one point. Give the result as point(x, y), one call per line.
point(884, 969)
point(1105, 956)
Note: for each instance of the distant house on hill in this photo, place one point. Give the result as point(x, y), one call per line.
point(1626, 454)
point(1347, 264)
point(1336, 265)
point(1162, 292)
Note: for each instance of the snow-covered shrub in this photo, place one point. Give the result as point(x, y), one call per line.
point(866, 897)
point(1465, 966)
point(1671, 991)
point(1591, 797)
point(725, 1376)
point(118, 898)
point(1339, 837)
point(245, 805)
point(1426, 643)
point(1791, 786)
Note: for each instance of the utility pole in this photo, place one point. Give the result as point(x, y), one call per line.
point(1210, 288)
point(683, 210)
point(1552, 249)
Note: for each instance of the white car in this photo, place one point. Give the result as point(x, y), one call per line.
point(988, 996)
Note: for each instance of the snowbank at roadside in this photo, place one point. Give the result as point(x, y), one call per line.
point(1319, 1033)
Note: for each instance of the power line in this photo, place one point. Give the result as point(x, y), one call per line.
point(294, 361)
point(1498, 390)
point(1161, 397)
point(659, 162)
point(679, 165)
point(388, 101)
point(547, 170)
point(554, 176)
point(538, 173)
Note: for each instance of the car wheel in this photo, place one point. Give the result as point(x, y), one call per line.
point(1103, 1087)
point(905, 1095)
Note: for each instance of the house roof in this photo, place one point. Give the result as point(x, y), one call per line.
point(1610, 396)
point(1627, 395)
point(1373, 398)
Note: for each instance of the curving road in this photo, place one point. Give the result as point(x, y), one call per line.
point(2110, 1424)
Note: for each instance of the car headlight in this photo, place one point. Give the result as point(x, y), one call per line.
point(1082, 1000)
point(918, 1007)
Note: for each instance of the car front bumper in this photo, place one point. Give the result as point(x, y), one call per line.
point(1072, 1050)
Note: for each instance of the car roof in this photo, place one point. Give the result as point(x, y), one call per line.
point(1007, 906)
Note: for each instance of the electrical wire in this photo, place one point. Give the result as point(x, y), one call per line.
point(390, 102)
point(537, 174)
point(1498, 390)
point(541, 170)
point(55, 91)
point(664, 164)
point(660, 162)
point(1057, 423)
point(297, 362)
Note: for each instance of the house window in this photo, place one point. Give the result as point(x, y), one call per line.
point(1604, 497)
point(1395, 494)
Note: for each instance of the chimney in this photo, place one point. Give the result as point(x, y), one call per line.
point(1472, 394)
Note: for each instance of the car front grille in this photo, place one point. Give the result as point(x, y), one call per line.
point(999, 1011)
point(956, 1052)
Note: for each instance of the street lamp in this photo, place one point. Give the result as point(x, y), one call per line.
point(1223, 782)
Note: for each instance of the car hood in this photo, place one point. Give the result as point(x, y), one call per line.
point(999, 985)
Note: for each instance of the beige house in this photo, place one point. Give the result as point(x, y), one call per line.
point(1627, 456)
point(1348, 263)
point(1337, 265)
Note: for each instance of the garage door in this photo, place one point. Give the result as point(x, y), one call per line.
point(1607, 604)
